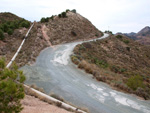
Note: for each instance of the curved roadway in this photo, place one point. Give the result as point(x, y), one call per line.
point(55, 73)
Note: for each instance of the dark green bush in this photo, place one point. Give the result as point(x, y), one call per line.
point(25, 24)
point(67, 10)
point(42, 20)
point(1, 35)
point(5, 27)
point(10, 31)
point(64, 14)
point(74, 11)
point(119, 36)
point(59, 16)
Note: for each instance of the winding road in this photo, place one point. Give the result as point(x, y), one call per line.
point(55, 73)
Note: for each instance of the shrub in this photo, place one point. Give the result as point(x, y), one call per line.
point(64, 14)
point(101, 63)
point(1, 35)
point(52, 17)
point(126, 41)
point(67, 10)
point(10, 31)
point(59, 15)
point(5, 27)
point(25, 24)
point(119, 36)
point(74, 11)
point(128, 48)
point(42, 20)
point(11, 92)
point(135, 81)
point(73, 33)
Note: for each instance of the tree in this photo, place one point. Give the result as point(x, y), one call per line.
point(11, 89)
point(1, 35)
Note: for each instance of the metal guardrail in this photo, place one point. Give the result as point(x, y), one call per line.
point(14, 57)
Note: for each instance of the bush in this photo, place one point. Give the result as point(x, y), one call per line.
point(64, 14)
point(5, 27)
point(135, 81)
point(25, 24)
point(59, 16)
point(67, 10)
point(1, 35)
point(128, 48)
point(126, 41)
point(10, 31)
point(74, 11)
point(119, 36)
point(11, 92)
point(42, 20)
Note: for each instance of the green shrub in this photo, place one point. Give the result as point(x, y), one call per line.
point(5, 27)
point(126, 41)
point(42, 20)
point(10, 31)
point(74, 11)
point(67, 10)
point(101, 63)
point(119, 36)
point(1, 35)
point(25, 24)
point(135, 81)
point(59, 16)
point(10, 92)
point(64, 14)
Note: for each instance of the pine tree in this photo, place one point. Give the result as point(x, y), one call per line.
point(11, 88)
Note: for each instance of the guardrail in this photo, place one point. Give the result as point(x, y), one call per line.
point(14, 57)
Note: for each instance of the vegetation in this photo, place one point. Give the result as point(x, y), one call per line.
point(1, 35)
point(10, 26)
point(109, 32)
point(11, 89)
point(44, 20)
point(135, 81)
point(116, 61)
point(74, 11)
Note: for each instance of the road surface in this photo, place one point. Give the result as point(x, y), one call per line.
point(55, 73)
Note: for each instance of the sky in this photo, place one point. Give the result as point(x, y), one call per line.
point(115, 15)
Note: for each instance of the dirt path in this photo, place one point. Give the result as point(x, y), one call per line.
point(34, 105)
point(47, 38)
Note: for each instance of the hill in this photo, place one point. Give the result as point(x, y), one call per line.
point(7, 16)
point(66, 27)
point(118, 61)
point(143, 36)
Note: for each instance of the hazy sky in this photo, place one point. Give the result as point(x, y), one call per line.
point(115, 15)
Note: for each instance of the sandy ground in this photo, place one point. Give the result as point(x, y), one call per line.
point(34, 105)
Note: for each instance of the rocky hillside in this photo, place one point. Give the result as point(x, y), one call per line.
point(143, 36)
point(118, 61)
point(6, 16)
point(68, 26)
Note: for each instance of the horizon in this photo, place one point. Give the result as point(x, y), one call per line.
point(117, 16)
